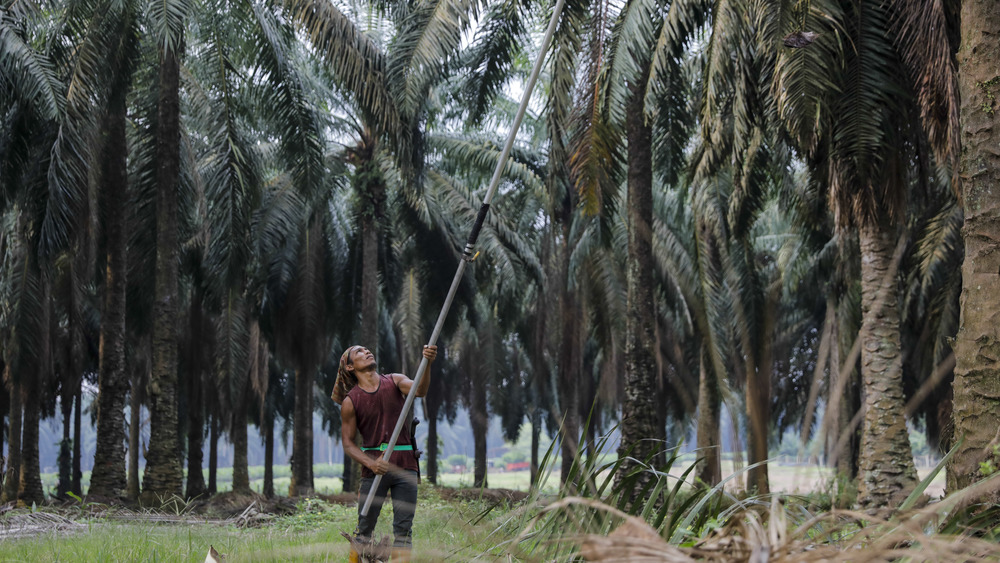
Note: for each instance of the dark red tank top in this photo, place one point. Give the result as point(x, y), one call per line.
point(376, 414)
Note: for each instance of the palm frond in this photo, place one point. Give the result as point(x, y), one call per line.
point(428, 38)
point(866, 153)
point(286, 103)
point(25, 71)
point(407, 313)
point(167, 19)
point(24, 333)
point(479, 156)
point(67, 185)
point(672, 101)
point(684, 19)
point(927, 37)
point(630, 52)
point(355, 60)
point(491, 56)
point(595, 155)
point(566, 47)
point(234, 337)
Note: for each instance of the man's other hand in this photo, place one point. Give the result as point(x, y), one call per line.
point(430, 352)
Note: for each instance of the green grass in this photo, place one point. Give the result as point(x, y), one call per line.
point(442, 529)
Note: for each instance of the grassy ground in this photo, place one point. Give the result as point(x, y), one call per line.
point(455, 529)
point(450, 525)
point(446, 527)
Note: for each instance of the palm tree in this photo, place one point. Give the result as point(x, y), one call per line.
point(975, 407)
point(847, 108)
point(46, 129)
point(868, 184)
point(108, 477)
point(628, 87)
point(163, 476)
point(566, 47)
point(300, 313)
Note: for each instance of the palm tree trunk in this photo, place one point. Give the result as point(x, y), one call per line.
point(536, 434)
point(643, 437)
point(196, 439)
point(108, 478)
point(4, 413)
point(887, 470)
point(369, 267)
point(300, 484)
point(593, 425)
point(65, 447)
point(134, 430)
point(976, 403)
point(163, 476)
point(213, 453)
point(30, 486)
point(12, 477)
point(709, 435)
point(77, 483)
point(432, 406)
point(480, 424)
point(196, 404)
point(241, 471)
point(758, 415)
point(569, 360)
point(372, 190)
point(758, 396)
point(847, 456)
point(310, 439)
point(267, 428)
point(351, 483)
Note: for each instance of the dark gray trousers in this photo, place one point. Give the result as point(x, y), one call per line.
point(402, 485)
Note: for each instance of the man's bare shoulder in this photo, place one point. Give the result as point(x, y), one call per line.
point(346, 407)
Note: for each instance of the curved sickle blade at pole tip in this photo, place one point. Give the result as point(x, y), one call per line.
point(468, 254)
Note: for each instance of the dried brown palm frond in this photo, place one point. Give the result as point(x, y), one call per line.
point(634, 540)
point(20, 524)
point(757, 533)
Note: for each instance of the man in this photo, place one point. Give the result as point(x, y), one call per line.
point(372, 403)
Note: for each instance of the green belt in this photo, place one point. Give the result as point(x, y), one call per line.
point(383, 447)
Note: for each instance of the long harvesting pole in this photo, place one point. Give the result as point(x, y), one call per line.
point(467, 253)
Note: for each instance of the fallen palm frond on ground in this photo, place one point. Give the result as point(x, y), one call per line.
point(18, 524)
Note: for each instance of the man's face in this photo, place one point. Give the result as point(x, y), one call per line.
point(362, 358)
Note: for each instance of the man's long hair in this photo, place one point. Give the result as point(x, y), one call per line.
point(346, 380)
